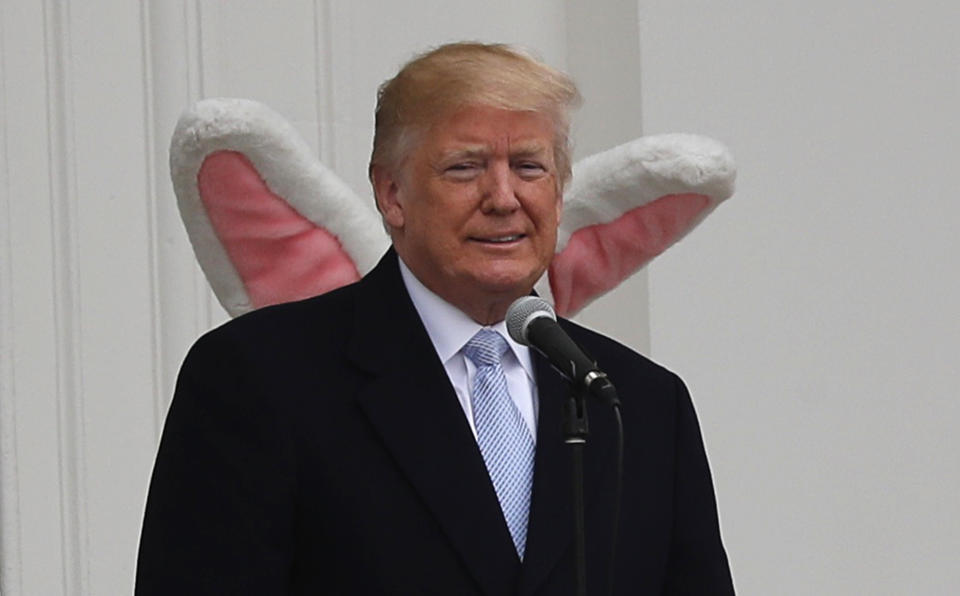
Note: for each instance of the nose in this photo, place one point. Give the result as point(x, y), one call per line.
point(499, 192)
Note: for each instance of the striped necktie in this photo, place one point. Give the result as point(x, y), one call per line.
point(502, 434)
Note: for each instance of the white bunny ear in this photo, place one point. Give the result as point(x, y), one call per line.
point(626, 205)
point(268, 222)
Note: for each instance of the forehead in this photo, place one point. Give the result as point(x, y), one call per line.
point(482, 129)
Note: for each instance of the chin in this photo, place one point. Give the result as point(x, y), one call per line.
point(515, 283)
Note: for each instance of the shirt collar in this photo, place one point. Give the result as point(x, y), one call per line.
point(450, 328)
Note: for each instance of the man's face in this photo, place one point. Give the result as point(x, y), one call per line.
point(475, 209)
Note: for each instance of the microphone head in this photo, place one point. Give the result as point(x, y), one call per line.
point(522, 312)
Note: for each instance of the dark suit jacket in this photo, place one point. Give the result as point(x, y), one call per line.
point(318, 448)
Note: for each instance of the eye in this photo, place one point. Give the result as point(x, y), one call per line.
point(465, 170)
point(530, 169)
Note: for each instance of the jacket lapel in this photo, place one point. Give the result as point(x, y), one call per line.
point(408, 399)
point(550, 531)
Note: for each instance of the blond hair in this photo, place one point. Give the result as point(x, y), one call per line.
point(441, 81)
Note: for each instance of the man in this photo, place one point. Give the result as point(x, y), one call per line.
point(387, 437)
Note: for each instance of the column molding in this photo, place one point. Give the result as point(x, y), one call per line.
point(66, 299)
point(324, 63)
point(10, 571)
point(153, 219)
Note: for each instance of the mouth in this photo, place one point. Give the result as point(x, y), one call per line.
point(505, 239)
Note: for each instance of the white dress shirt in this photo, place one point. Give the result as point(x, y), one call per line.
point(450, 329)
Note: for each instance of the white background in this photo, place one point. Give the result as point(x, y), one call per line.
point(813, 315)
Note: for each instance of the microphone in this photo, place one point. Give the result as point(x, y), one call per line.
point(532, 322)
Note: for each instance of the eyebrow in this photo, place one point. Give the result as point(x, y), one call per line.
point(520, 149)
point(528, 148)
point(465, 152)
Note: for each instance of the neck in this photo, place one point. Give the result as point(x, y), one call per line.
point(488, 313)
point(484, 308)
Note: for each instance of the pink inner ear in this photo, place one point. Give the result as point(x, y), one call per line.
point(279, 254)
point(599, 257)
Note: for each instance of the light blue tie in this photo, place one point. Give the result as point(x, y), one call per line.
point(502, 434)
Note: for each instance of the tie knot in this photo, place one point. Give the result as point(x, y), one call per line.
point(486, 348)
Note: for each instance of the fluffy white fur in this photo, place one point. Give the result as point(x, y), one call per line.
point(290, 170)
point(607, 185)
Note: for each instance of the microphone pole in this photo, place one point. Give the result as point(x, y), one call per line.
point(575, 431)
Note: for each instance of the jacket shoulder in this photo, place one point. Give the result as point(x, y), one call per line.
point(324, 317)
point(609, 352)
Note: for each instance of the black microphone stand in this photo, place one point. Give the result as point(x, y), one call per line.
point(575, 431)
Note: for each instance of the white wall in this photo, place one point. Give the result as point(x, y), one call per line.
point(79, 311)
point(814, 315)
point(100, 296)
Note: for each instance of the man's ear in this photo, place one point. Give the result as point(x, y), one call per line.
point(559, 206)
point(386, 188)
